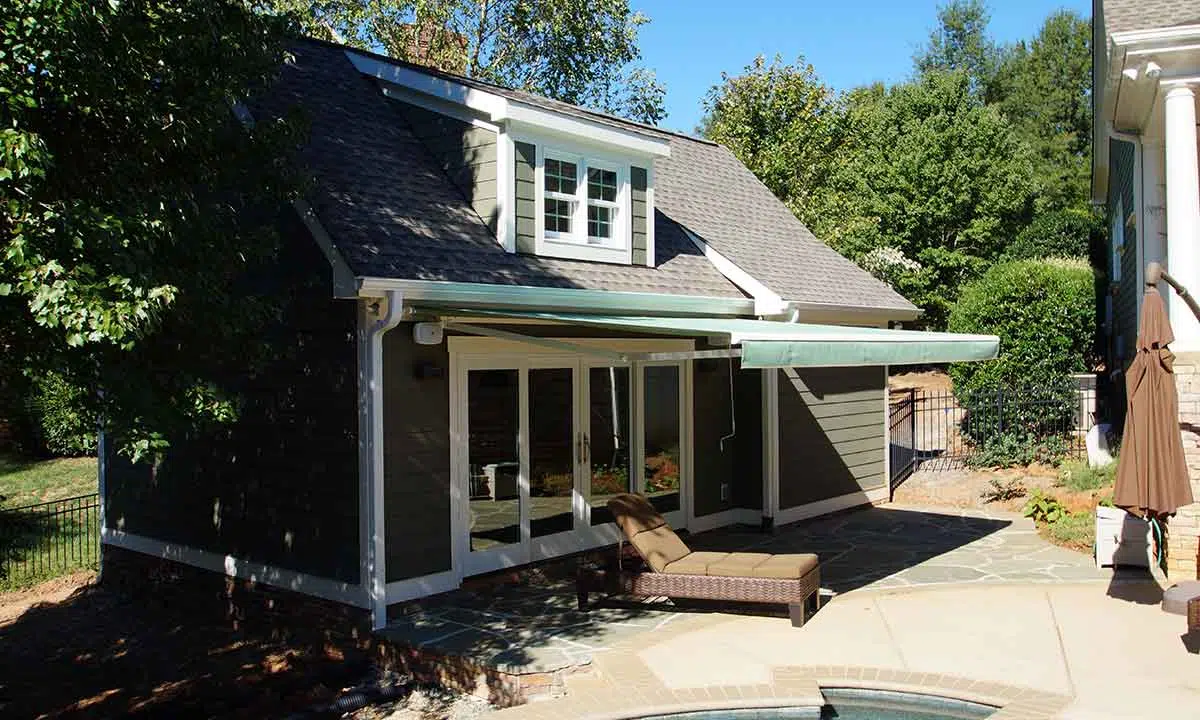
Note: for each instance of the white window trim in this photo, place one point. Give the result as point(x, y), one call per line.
point(550, 244)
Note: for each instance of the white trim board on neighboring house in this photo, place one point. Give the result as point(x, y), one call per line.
point(870, 496)
point(303, 583)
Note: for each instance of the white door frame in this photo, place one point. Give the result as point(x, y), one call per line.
point(474, 353)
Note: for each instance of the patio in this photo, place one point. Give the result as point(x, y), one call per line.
point(533, 627)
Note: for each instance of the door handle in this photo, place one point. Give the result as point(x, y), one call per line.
point(586, 444)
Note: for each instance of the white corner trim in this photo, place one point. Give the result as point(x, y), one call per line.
point(887, 433)
point(345, 284)
point(824, 507)
point(325, 588)
point(766, 301)
point(770, 425)
point(500, 109)
point(506, 192)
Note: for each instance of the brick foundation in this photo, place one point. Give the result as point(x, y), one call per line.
point(1183, 544)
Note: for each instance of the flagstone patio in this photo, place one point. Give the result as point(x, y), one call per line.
point(533, 627)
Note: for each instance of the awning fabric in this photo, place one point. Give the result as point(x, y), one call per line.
point(767, 344)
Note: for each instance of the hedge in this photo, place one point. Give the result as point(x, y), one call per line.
point(1044, 314)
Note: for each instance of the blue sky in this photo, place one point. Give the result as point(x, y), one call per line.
point(853, 42)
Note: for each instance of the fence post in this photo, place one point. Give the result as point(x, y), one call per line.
point(999, 410)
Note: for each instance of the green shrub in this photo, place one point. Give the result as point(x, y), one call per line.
point(64, 427)
point(1013, 450)
point(1059, 234)
point(1073, 530)
point(1079, 476)
point(1044, 508)
point(1043, 311)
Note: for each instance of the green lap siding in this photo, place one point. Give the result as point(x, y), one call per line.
point(465, 152)
point(638, 184)
point(1125, 295)
point(831, 434)
point(280, 484)
point(416, 455)
point(525, 192)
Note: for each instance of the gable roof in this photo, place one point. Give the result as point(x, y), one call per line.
point(393, 213)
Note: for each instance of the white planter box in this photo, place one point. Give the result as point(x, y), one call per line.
point(1122, 539)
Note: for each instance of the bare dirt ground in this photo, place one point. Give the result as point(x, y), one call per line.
point(70, 648)
point(965, 487)
point(923, 381)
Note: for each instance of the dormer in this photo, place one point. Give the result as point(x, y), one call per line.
point(550, 179)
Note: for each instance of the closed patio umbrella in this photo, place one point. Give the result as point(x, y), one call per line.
point(1152, 475)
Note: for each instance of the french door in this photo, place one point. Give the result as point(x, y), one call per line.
point(544, 440)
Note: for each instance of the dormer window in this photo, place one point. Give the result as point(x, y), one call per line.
point(584, 207)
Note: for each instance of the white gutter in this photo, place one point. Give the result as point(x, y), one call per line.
point(372, 513)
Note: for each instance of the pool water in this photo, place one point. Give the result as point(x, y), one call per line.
point(849, 704)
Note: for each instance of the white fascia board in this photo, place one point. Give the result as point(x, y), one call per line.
point(821, 313)
point(527, 116)
point(485, 102)
point(1157, 35)
point(766, 301)
point(344, 282)
point(490, 296)
point(500, 109)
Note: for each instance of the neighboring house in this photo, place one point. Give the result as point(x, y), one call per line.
point(519, 308)
point(1146, 76)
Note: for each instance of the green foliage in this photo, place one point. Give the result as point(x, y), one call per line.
point(960, 43)
point(784, 124)
point(1015, 448)
point(134, 200)
point(1059, 234)
point(1003, 490)
point(581, 53)
point(1076, 531)
point(1044, 508)
point(1079, 476)
point(1044, 314)
point(1044, 88)
point(61, 410)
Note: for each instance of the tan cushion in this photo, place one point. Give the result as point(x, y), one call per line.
point(660, 547)
point(696, 563)
point(786, 567)
point(634, 514)
point(737, 564)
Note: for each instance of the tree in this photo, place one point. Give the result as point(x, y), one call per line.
point(932, 173)
point(960, 43)
point(1045, 90)
point(134, 200)
point(578, 52)
point(784, 124)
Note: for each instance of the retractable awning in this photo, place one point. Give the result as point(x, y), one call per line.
point(767, 344)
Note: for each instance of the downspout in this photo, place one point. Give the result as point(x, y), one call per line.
point(371, 504)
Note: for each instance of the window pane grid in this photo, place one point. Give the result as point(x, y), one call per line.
point(561, 176)
point(602, 184)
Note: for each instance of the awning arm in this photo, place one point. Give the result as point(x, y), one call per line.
point(532, 340)
point(689, 355)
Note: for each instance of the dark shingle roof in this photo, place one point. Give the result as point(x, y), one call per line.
point(708, 190)
point(393, 213)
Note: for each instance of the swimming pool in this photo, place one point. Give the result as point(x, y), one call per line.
point(853, 704)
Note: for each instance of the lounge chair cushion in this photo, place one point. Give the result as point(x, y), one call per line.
point(634, 514)
point(659, 547)
point(696, 563)
point(738, 564)
point(786, 567)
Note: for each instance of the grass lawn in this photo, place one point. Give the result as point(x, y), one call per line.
point(24, 482)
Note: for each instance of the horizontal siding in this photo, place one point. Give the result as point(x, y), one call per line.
point(638, 184)
point(831, 436)
point(526, 196)
point(466, 153)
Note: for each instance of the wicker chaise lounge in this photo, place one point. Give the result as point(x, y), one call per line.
point(675, 571)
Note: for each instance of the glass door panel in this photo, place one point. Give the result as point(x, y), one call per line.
point(493, 458)
point(552, 450)
point(607, 447)
point(662, 434)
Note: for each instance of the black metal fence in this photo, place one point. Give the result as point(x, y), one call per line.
point(933, 430)
point(42, 541)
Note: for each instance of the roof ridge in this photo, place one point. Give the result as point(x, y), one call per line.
point(484, 84)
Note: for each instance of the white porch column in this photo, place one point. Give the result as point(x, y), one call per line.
point(1183, 211)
